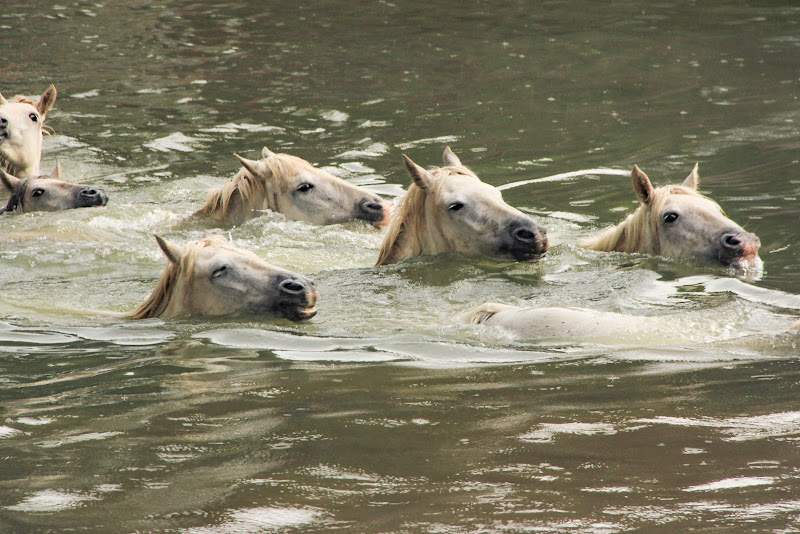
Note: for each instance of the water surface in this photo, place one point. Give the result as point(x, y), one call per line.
point(383, 413)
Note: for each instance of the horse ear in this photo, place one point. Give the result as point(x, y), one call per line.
point(10, 182)
point(172, 251)
point(266, 153)
point(57, 171)
point(642, 186)
point(691, 180)
point(3, 100)
point(47, 100)
point(450, 159)
point(254, 167)
point(420, 176)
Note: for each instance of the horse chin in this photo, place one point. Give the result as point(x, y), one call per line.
point(523, 254)
point(297, 313)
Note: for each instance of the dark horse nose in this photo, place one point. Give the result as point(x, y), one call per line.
point(533, 237)
point(371, 206)
point(525, 240)
point(373, 210)
point(91, 196)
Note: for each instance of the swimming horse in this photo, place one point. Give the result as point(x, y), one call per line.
point(449, 209)
point(292, 186)
point(48, 193)
point(678, 222)
point(211, 277)
point(21, 123)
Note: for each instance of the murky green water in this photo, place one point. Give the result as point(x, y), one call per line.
point(382, 414)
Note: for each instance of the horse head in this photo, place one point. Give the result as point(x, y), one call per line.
point(49, 193)
point(303, 192)
point(451, 209)
point(21, 123)
point(687, 224)
point(212, 277)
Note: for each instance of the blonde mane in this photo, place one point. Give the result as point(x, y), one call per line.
point(639, 231)
point(175, 280)
point(408, 219)
point(253, 192)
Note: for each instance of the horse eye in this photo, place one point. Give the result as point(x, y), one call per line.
point(455, 206)
point(219, 271)
point(305, 188)
point(37, 192)
point(670, 217)
point(34, 117)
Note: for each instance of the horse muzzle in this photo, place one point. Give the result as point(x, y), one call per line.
point(299, 299)
point(527, 242)
point(90, 197)
point(374, 211)
point(737, 248)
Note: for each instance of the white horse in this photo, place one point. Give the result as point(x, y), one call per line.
point(676, 221)
point(212, 277)
point(450, 210)
point(21, 122)
point(292, 186)
point(48, 193)
point(583, 325)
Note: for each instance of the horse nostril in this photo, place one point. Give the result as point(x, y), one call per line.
point(523, 234)
point(89, 192)
point(293, 287)
point(376, 207)
point(732, 241)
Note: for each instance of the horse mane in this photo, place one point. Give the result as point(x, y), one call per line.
point(175, 279)
point(15, 199)
point(638, 232)
point(253, 192)
point(481, 314)
point(403, 237)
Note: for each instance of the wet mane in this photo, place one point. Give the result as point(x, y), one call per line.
point(639, 231)
point(408, 219)
point(15, 199)
point(175, 280)
point(253, 192)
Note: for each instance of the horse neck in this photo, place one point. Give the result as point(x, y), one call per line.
point(20, 170)
point(634, 234)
